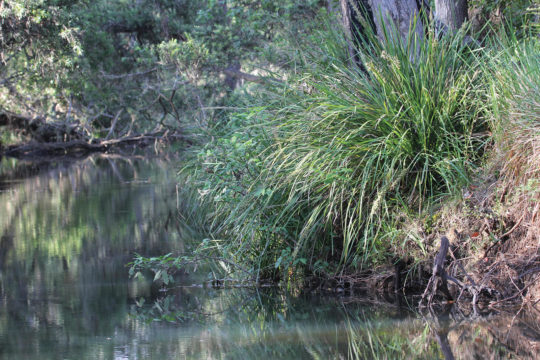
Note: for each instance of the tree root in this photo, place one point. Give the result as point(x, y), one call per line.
point(439, 282)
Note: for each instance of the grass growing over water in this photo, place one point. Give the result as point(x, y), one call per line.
point(319, 173)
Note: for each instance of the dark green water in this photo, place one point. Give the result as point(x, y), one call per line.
point(68, 229)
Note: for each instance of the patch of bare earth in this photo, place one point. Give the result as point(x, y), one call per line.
point(495, 230)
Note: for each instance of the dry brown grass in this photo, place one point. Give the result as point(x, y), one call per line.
point(495, 228)
point(519, 191)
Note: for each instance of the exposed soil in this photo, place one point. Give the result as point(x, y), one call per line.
point(494, 234)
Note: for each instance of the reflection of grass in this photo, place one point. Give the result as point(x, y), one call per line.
point(370, 340)
point(251, 324)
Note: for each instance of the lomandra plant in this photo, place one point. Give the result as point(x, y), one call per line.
point(345, 146)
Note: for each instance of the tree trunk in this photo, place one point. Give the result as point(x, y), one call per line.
point(346, 21)
point(231, 81)
point(386, 17)
point(451, 13)
point(401, 14)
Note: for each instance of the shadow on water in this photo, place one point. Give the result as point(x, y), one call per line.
point(67, 229)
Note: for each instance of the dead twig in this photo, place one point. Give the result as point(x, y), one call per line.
point(501, 238)
point(515, 295)
point(113, 125)
point(440, 274)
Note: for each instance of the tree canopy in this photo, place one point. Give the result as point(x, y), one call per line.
point(144, 63)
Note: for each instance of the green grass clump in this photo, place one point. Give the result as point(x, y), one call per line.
point(514, 79)
point(313, 176)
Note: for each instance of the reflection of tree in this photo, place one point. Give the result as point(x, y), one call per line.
point(86, 208)
point(493, 335)
point(66, 233)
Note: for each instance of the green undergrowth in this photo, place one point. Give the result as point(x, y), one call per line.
point(321, 174)
point(315, 175)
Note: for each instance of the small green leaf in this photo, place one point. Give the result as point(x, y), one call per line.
point(158, 275)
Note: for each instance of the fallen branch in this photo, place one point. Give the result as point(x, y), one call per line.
point(58, 138)
point(515, 295)
point(439, 273)
point(38, 148)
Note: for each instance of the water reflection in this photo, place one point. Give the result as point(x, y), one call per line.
point(253, 324)
point(66, 232)
point(68, 229)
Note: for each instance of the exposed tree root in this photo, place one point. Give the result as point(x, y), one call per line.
point(439, 282)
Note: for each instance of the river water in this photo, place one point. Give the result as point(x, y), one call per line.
point(68, 228)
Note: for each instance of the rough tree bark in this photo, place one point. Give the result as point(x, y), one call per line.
point(346, 21)
point(231, 80)
point(451, 13)
point(403, 14)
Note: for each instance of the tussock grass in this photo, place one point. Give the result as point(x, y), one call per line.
point(316, 174)
point(495, 227)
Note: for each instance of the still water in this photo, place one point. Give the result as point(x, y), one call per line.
point(68, 228)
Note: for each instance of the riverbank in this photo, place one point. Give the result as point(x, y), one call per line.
point(355, 177)
point(354, 174)
point(39, 138)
